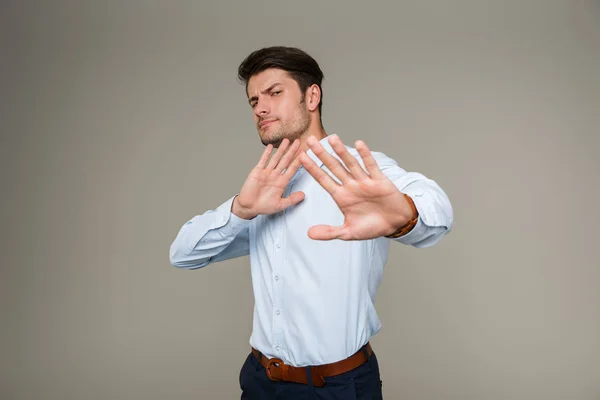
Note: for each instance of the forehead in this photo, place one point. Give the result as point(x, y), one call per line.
point(266, 78)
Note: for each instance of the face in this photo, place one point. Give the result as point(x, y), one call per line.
point(280, 109)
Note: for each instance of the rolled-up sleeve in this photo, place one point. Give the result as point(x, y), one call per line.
point(436, 216)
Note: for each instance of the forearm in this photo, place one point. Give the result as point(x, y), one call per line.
point(435, 214)
point(213, 236)
point(434, 210)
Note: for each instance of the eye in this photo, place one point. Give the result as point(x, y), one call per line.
point(276, 92)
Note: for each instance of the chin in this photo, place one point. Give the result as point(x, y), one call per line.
point(267, 140)
point(270, 137)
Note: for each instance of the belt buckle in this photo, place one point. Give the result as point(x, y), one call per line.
point(276, 364)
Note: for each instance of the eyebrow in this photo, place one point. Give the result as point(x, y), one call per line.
point(251, 99)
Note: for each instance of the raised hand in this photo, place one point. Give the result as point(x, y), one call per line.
point(371, 203)
point(262, 192)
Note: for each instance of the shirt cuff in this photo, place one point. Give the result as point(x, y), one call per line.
point(228, 222)
point(415, 233)
point(419, 230)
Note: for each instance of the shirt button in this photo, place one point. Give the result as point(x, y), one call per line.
point(276, 277)
point(278, 245)
point(277, 312)
point(277, 349)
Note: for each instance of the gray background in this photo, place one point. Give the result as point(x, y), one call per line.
point(121, 120)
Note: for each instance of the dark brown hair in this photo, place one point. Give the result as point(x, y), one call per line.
point(301, 67)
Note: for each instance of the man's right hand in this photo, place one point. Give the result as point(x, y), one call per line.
point(262, 193)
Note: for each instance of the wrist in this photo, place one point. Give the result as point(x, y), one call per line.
point(408, 225)
point(240, 211)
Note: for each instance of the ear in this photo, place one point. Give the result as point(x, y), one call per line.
point(313, 97)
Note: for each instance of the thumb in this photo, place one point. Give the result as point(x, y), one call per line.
point(325, 232)
point(292, 199)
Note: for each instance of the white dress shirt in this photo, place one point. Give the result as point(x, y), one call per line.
point(314, 300)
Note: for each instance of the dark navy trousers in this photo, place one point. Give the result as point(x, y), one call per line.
point(362, 383)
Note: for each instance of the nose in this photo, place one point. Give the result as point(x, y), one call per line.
point(261, 109)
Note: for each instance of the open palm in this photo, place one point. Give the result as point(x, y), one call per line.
point(262, 192)
point(370, 202)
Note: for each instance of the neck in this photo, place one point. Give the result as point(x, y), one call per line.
point(317, 132)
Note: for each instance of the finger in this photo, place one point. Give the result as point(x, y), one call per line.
point(330, 161)
point(262, 163)
point(320, 176)
point(291, 170)
point(349, 160)
point(367, 157)
point(326, 232)
point(291, 200)
point(288, 157)
point(278, 154)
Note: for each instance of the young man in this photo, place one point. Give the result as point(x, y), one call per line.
point(317, 218)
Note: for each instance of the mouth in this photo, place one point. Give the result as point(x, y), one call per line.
point(264, 124)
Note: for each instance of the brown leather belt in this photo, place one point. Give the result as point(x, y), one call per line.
point(277, 370)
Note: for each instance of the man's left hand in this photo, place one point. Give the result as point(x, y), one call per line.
point(372, 205)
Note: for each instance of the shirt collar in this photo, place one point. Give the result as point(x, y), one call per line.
point(325, 143)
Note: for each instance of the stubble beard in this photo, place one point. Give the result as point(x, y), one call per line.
point(296, 129)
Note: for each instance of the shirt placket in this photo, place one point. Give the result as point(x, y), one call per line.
point(279, 275)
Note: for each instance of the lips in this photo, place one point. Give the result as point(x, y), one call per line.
point(266, 123)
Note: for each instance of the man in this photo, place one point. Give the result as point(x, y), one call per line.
point(317, 218)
